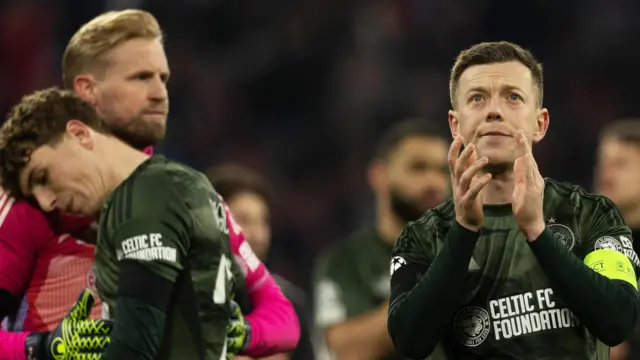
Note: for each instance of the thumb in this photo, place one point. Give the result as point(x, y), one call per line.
point(82, 308)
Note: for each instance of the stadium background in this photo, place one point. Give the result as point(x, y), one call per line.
point(300, 90)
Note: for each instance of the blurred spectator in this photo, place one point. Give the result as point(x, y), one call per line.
point(618, 178)
point(408, 175)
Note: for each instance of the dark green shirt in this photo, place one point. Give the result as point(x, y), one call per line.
point(163, 265)
point(501, 297)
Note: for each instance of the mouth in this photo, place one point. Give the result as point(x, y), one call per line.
point(496, 133)
point(155, 112)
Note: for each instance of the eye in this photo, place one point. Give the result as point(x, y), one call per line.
point(514, 97)
point(43, 179)
point(476, 98)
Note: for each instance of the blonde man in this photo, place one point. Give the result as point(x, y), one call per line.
point(116, 62)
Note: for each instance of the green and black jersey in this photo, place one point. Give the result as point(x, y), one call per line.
point(570, 294)
point(164, 267)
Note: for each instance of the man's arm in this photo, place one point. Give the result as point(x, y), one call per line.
point(22, 230)
point(273, 321)
point(602, 289)
point(424, 295)
point(348, 336)
point(145, 286)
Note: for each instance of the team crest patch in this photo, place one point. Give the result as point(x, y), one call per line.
point(471, 326)
point(608, 243)
point(563, 234)
point(396, 263)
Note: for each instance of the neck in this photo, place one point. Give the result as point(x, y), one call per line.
point(388, 225)
point(119, 162)
point(632, 217)
point(499, 190)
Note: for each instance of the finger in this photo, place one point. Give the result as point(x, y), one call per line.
point(519, 171)
point(472, 170)
point(465, 161)
point(474, 190)
point(82, 308)
point(90, 344)
point(454, 151)
point(93, 327)
point(523, 143)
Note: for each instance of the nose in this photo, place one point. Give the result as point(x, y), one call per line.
point(46, 199)
point(159, 90)
point(494, 110)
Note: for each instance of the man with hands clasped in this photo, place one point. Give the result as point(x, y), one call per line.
point(514, 266)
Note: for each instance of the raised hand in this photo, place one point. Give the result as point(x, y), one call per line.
point(467, 182)
point(528, 191)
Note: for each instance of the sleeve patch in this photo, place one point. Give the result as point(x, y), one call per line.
point(396, 263)
point(612, 264)
point(621, 244)
point(146, 247)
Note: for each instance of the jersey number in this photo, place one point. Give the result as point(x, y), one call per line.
point(223, 277)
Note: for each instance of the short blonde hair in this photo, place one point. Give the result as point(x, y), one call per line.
point(103, 33)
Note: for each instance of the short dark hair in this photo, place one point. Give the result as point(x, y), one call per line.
point(411, 127)
point(625, 130)
point(230, 180)
point(39, 119)
point(491, 53)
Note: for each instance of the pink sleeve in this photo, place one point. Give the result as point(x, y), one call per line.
point(22, 227)
point(274, 324)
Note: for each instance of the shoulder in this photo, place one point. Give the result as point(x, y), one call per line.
point(433, 224)
point(569, 197)
point(343, 253)
point(168, 173)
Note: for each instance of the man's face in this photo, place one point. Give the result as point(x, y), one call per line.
point(494, 101)
point(417, 176)
point(618, 172)
point(64, 176)
point(252, 214)
point(132, 93)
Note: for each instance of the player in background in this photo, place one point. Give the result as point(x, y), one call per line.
point(618, 178)
point(351, 282)
point(249, 197)
point(514, 266)
point(117, 63)
point(163, 261)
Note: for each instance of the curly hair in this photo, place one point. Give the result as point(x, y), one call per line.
point(38, 119)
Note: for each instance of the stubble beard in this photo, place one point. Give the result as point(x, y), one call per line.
point(139, 133)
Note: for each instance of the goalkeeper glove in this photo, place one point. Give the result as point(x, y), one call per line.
point(75, 338)
point(238, 332)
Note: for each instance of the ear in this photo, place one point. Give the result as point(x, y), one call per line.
point(454, 125)
point(85, 87)
point(542, 125)
point(376, 176)
point(82, 133)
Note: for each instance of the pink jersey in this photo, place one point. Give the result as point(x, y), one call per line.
point(47, 269)
point(274, 324)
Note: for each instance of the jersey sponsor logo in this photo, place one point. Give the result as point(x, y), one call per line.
point(563, 234)
point(471, 326)
point(627, 250)
point(146, 247)
point(396, 263)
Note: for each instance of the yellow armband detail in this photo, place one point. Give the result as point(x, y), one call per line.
point(612, 264)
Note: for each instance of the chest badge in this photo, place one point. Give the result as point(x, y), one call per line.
point(562, 233)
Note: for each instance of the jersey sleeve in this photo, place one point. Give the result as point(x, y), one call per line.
point(23, 230)
point(274, 325)
point(409, 262)
point(606, 230)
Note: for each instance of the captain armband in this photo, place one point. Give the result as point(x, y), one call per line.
point(612, 264)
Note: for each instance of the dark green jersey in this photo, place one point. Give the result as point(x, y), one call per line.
point(352, 279)
point(163, 241)
point(508, 307)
